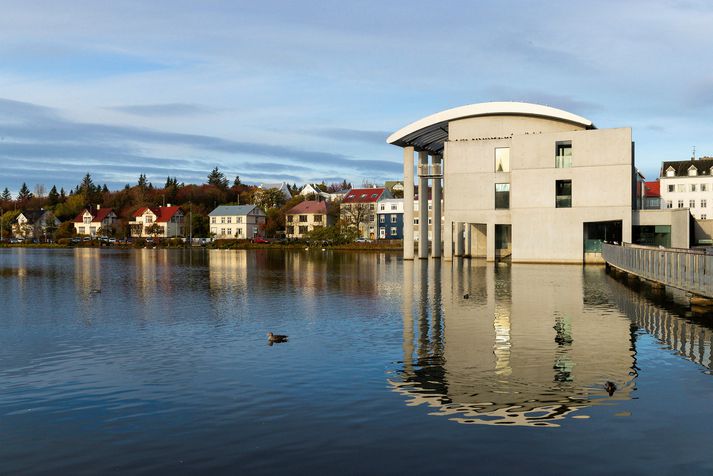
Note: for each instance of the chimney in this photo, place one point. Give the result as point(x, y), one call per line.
point(168, 205)
point(99, 206)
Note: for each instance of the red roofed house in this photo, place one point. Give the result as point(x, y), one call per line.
point(305, 217)
point(652, 195)
point(90, 221)
point(170, 221)
point(358, 209)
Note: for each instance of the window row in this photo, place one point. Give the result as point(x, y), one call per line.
point(563, 156)
point(382, 218)
point(692, 187)
point(563, 195)
point(228, 220)
point(691, 203)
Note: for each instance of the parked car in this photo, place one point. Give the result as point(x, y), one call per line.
point(363, 240)
point(259, 239)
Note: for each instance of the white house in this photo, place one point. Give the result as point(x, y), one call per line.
point(34, 224)
point(281, 186)
point(311, 189)
point(688, 184)
point(170, 222)
point(236, 221)
point(89, 221)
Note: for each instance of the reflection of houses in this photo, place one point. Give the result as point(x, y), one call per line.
point(305, 217)
point(236, 221)
point(34, 224)
point(527, 348)
point(358, 209)
point(90, 222)
point(162, 222)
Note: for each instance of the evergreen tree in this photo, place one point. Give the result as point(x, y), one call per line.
point(87, 186)
point(143, 183)
point(53, 196)
point(24, 194)
point(236, 182)
point(62, 195)
point(105, 189)
point(217, 178)
point(6, 195)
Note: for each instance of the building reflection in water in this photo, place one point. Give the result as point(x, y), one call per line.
point(524, 348)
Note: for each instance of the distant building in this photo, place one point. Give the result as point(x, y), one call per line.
point(688, 184)
point(34, 224)
point(652, 195)
point(395, 187)
point(242, 222)
point(358, 208)
point(162, 222)
point(390, 215)
point(281, 186)
point(305, 217)
point(92, 221)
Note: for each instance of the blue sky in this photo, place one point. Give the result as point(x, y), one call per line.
point(309, 90)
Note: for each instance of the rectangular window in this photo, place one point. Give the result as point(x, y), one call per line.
point(212, 220)
point(680, 204)
point(681, 187)
point(415, 221)
point(383, 207)
point(563, 154)
point(239, 220)
point(303, 230)
point(393, 231)
point(669, 204)
point(230, 219)
point(502, 159)
point(393, 218)
point(289, 218)
point(317, 218)
point(704, 203)
point(703, 216)
point(693, 187)
point(371, 207)
point(222, 219)
point(704, 187)
point(303, 218)
point(240, 232)
point(691, 204)
point(393, 207)
point(382, 219)
point(563, 194)
point(671, 188)
point(502, 196)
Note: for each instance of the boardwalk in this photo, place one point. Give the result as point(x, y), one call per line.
point(688, 270)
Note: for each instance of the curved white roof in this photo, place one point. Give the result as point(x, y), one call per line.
point(430, 132)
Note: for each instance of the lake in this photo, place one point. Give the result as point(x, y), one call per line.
point(157, 362)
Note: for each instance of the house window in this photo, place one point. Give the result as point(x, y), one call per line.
point(502, 196)
point(704, 203)
point(681, 187)
point(693, 187)
point(393, 207)
point(371, 207)
point(222, 231)
point(222, 219)
point(670, 172)
point(703, 216)
point(383, 207)
point(382, 219)
point(669, 204)
point(703, 187)
point(393, 219)
point(303, 218)
point(87, 220)
point(691, 204)
point(303, 230)
point(317, 218)
point(692, 171)
point(563, 154)
point(212, 220)
point(502, 159)
point(289, 218)
point(238, 219)
point(680, 204)
point(563, 194)
point(230, 219)
point(393, 231)
point(671, 188)
point(415, 221)
point(148, 219)
point(239, 232)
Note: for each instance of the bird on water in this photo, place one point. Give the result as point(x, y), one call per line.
point(275, 338)
point(610, 387)
point(466, 296)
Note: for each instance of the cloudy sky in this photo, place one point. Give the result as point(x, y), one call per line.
point(308, 90)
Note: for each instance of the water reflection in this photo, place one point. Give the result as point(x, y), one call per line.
point(529, 345)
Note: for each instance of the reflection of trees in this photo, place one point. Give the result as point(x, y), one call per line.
point(484, 360)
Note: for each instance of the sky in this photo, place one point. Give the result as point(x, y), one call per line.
point(306, 91)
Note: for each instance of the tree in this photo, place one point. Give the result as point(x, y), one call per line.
point(24, 194)
point(356, 216)
point(87, 186)
point(236, 182)
point(270, 198)
point(217, 178)
point(62, 195)
point(143, 183)
point(53, 196)
point(154, 229)
point(105, 189)
point(39, 190)
point(6, 195)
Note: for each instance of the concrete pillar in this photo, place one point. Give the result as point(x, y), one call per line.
point(458, 230)
point(423, 208)
point(467, 241)
point(436, 216)
point(481, 234)
point(408, 202)
point(448, 240)
point(490, 247)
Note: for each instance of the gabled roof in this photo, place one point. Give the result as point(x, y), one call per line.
point(97, 215)
point(33, 216)
point(308, 207)
point(363, 195)
point(681, 167)
point(232, 210)
point(163, 214)
point(652, 189)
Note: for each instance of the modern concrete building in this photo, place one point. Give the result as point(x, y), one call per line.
point(524, 181)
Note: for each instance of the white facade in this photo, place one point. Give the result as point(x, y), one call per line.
point(89, 224)
point(160, 222)
point(241, 222)
point(688, 184)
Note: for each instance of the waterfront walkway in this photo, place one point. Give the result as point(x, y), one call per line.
point(688, 270)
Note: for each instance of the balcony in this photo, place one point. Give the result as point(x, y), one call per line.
point(430, 170)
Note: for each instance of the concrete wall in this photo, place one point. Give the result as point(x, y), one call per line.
point(601, 175)
point(678, 219)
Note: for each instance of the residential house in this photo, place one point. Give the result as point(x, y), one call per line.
point(312, 190)
point(688, 184)
point(34, 224)
point(237, 221)
point(652, 195)
point(390, 213)
point(161, 222)
point(305, 217)
point(281, 186)
point(358, 208)
point(91, 222)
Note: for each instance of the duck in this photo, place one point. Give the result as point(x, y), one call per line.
point(95, 291)
point(276, 338)
point(610, 387)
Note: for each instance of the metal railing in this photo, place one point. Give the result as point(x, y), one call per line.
point(430, 170)
point(688, 270)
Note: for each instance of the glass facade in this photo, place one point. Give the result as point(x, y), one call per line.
point(563, 154)
point(502, 196)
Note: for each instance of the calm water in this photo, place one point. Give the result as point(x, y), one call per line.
point(389, 369)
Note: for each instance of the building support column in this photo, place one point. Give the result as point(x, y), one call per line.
point(459, 238)
point(408, 203)
point(422, 206)
point(467, 241)
point(448, 240)
point(436, 220)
